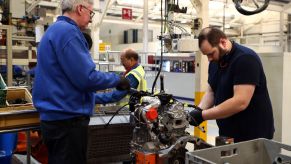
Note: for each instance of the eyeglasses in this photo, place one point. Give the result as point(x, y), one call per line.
point(92, 13)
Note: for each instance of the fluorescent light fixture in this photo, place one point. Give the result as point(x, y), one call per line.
point(214, 5)
point(156, 17)
point(134, 3)
point(227, 26)
point(124, 22)
point(184, 21)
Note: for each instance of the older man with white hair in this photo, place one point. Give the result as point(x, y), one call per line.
point(65, 83)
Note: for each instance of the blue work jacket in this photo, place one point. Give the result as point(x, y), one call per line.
point(65, 75)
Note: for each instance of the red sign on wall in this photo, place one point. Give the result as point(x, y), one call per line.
point(127, 13)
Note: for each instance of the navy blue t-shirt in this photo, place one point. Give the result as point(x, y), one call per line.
point(242, 66)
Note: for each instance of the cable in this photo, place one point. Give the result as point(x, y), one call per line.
point(180, 27)
point(106, 125)
point(161, 61)
point(183, 30)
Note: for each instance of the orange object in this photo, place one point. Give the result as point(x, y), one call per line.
point(38, 149)
point(142, 158)
point(152, 114)
point(22, 140)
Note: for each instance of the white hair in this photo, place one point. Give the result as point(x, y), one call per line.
point(70, 5)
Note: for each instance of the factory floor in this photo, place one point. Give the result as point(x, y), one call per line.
point(21, 159)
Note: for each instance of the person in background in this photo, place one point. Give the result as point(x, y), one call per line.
point(65, 83)
point(237, 95)
point(17, 70)
point(129, 59)
point(89, 40)
point(133, 72)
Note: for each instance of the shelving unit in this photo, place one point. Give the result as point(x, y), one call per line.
point(23, 55)
point(8, 60)
point(177, 62)
point(15, 54)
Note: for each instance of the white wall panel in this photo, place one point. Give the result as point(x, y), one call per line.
point(278, 70)
point(17, 8)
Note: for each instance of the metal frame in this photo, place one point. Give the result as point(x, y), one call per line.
point(9, 52)
point(26, 129)
point(9, 49)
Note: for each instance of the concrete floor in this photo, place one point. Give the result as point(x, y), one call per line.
point(21, 159)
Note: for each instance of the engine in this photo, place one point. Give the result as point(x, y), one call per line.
point(159, 128)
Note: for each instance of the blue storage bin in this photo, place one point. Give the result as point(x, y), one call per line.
point(7, 145)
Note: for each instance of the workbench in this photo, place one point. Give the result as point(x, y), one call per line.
point(104, 143)
point(19, 119)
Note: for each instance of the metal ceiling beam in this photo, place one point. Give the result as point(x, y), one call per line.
point(35, 3)
point(128, 22)
point(141, 15)
point(107, 6)
point(287, 6)
point(197, 4)
point(32, 6)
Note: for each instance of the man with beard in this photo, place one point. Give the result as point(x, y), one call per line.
point(237, 95)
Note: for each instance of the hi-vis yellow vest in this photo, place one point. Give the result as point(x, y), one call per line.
point(139, 74)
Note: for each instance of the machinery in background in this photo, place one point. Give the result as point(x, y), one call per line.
point(240, 9)
point(177, 39)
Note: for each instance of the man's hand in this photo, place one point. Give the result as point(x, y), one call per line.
point(196, 117)
point(123, 84)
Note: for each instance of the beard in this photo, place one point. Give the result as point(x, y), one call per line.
point(222, 53)
point(223, 62)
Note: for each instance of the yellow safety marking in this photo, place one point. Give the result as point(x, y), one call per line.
point(198, 97)
point(197, 131)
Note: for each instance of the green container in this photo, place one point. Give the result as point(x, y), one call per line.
point(3, 93)
point(2, 83)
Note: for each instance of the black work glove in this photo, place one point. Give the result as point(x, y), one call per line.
point(123, 84)
point(195, 117)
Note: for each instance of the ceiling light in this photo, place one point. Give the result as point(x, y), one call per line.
point(133, 3)
point(227, 26)
point(184, 21)
point(131, 23)
point(214, 5)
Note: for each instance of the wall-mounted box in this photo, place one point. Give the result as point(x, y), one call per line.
point(17, 8)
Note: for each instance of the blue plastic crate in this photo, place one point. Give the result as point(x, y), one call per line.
point(7, 145)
